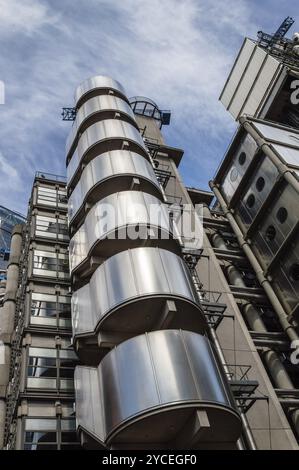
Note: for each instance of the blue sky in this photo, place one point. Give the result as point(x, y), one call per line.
point(177, 52)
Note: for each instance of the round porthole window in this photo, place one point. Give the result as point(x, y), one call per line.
point(233, 175)
point(250, 201)
point(260, 183)
point(282, 215)
point(242, 158)
point(270, 233)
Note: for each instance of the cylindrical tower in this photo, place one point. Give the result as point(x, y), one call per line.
point(149, 376)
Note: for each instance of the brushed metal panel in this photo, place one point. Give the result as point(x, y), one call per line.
point(99, 132)
point(290, 156)
point(174, 375)
point(237, 167)
point(247, 82)
point(104, 169)
point(95, 105)
point(89, 412)
point(125, 288)
point(145, 377)
point(111, 214)
point(285, 284)
point(266, 243)
point(129, 389)
point(265, 80)
point(246, 212)
point(272, 133)
point(98, 81)
point(237, 71)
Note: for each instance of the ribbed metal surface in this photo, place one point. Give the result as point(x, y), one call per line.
point(101, 132)
point(97, 82)
point(163, 388)
point(160, 379)
point(97, 105)
point(120, 221)
point(109, 166)
point(251, 81)
point(128, 291)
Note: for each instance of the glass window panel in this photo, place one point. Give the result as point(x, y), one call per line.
point(34, 437)
point(68, 424)
point(67, 354)
point(44, 297)
point(42, 352)
point(42, 372)
point(66, 373)
point(40, 424)
point(41, 382)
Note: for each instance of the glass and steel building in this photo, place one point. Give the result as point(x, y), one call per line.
point(8, 219)
point(127, 332)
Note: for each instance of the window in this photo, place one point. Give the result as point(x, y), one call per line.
point(250, 201)
point(282, 215)
point(50, 264)
point(51, 197)
point(50, 368)
point(51, 227)
point(50, 310)
point(242, 158)
point(260, 184)
point(50, 434)
point(233, 175)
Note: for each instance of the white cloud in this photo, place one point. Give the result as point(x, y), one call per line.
point(177, 52)
point(25, 16)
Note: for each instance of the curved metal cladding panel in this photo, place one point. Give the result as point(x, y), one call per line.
point(110, 225)
point(108, 166)
point(97, 82)
point(128, 292)
point(97, 134)
point(149, 387)
point(96, 106)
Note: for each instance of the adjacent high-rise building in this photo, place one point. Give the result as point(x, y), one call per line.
point(159, 316)
point(8, 219)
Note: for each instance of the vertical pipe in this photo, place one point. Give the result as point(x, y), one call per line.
point(7, 317)
point(271, 358)
point(287, 327)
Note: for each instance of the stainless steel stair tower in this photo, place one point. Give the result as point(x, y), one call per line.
point(150, 376)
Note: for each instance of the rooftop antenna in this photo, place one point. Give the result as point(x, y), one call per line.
point(284, 27)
